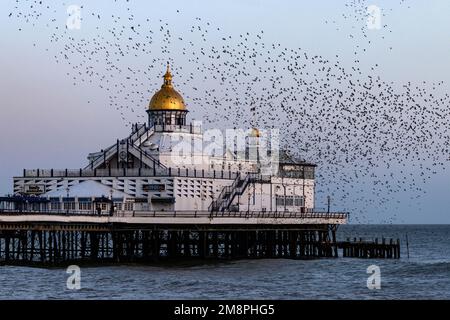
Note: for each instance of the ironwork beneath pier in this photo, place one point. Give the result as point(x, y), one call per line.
point(52, 244)
point(46, 238)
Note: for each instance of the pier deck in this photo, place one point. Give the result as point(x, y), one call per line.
point(63, 237)
point(175, 218)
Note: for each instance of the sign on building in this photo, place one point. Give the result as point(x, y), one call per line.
point(34, 189)
point(154, 187)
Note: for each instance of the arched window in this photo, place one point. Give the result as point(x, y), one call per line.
point(168, 118)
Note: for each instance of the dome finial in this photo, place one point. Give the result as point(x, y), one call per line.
point(255, 133)
point(168, 76)
point(167, 98)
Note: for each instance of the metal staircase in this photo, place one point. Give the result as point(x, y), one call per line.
point(105, 156)
point(138, 133)
point(135, 140)
point(237, 188)
point(145, 158)
point(224, 194)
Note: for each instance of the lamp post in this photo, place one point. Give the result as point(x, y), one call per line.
point(111, 209)
point(303, 191)
point(277, 188)
point(284, 190)
point(294, 198)
point(248, 202)
point(67, 199)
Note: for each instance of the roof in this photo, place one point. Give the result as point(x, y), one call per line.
point(88, 188)
point(286, 157)
point(29, 199)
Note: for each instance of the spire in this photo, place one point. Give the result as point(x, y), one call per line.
point(167, 77)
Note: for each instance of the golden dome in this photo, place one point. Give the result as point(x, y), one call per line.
point(255, 133)
point(167, 98)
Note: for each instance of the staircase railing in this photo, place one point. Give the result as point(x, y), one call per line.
point(107, 153)
point(232, 191)
point(141, 130)
point(146, 158)
point(215, 204)
point(135, 146)
point(139, 133)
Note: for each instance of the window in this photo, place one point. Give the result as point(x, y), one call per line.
point(299, 201)
point(129, 206)
point(179, 120)
point(55, 206)
point(69, 205)
point(289, 201)
point(168, 118)
point(85, 206)
point(279, 200)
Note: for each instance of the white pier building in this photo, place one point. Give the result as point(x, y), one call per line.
point(169, 164)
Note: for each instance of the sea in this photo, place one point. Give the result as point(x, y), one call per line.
point(422, 272)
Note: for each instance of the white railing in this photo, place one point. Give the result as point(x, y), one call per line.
point(101, 158)
point(178, 128)
point(141, 130)
point(145, 157)
point(185, 214)
point(143, 172)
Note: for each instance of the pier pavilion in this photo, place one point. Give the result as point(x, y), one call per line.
point(164, 192)
point(172, 165)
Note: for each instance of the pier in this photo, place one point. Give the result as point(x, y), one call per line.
point(52, 238)
point(139, 199)
point(371, 249)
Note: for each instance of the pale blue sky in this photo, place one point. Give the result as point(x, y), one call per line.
point(46, 121)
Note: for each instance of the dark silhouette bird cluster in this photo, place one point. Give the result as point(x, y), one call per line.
point(372, 139)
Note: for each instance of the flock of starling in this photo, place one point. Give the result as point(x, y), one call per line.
point(371, 139)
